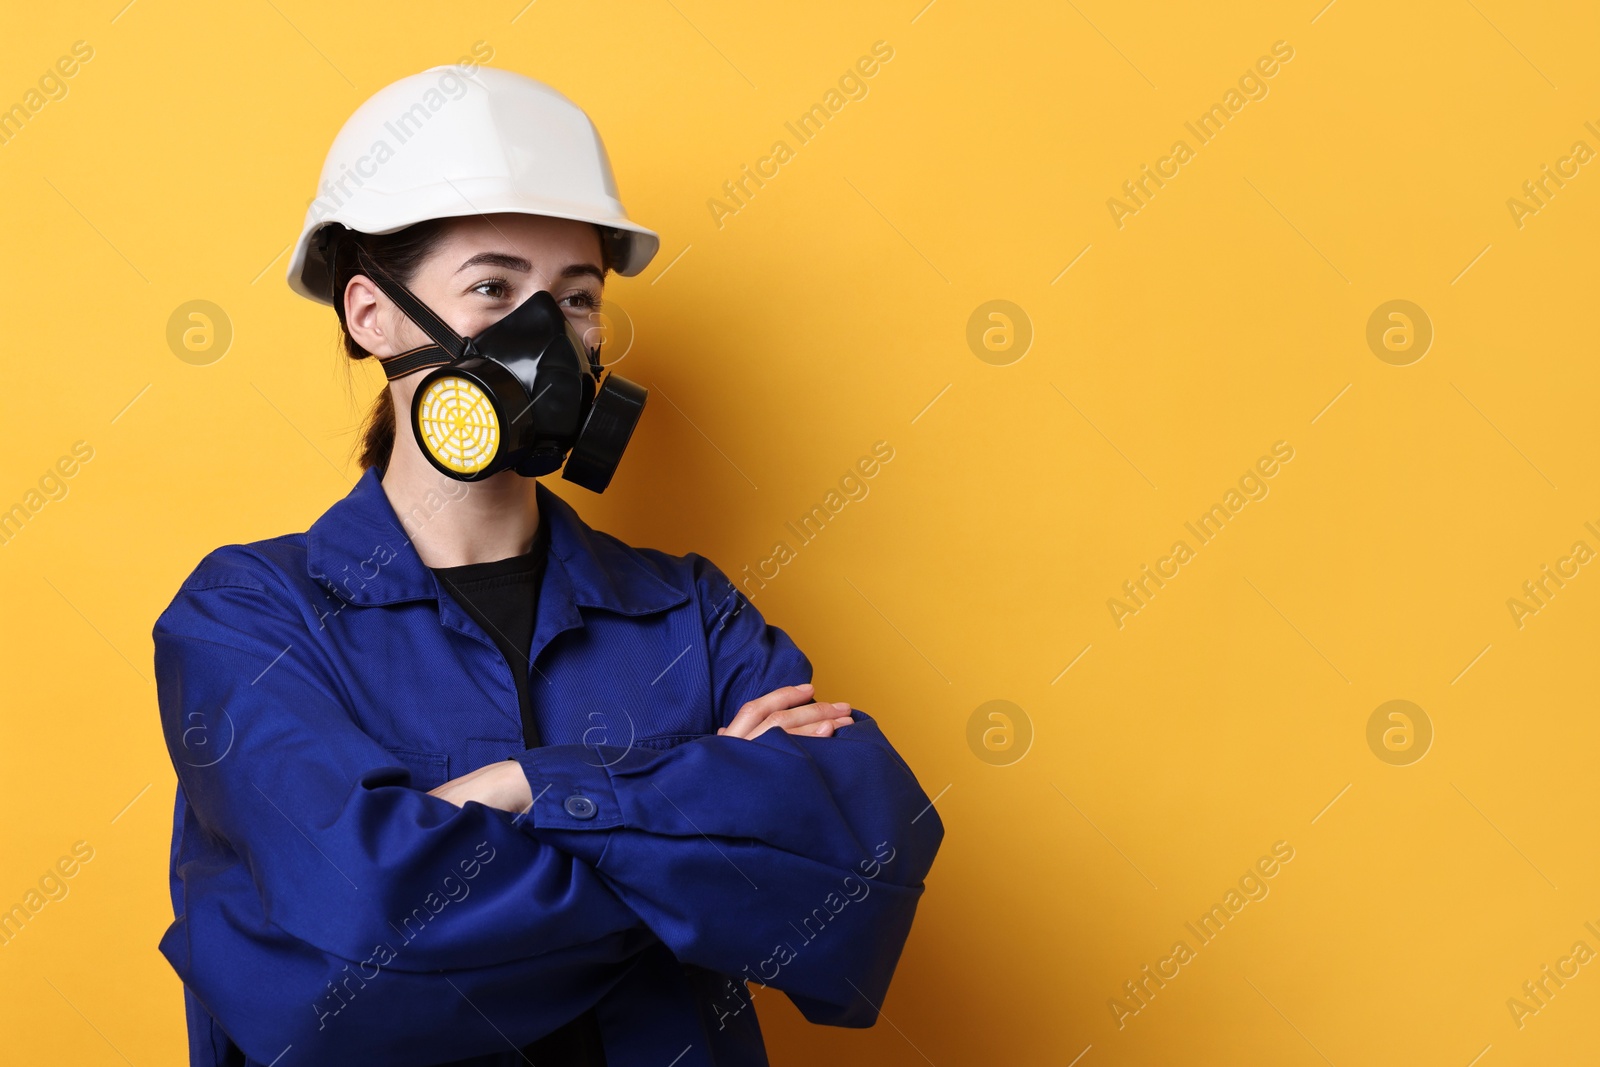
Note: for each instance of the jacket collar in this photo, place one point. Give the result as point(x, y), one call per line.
point(360, 551)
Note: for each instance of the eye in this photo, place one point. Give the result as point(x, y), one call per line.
point(493, 288)
point(583, 299)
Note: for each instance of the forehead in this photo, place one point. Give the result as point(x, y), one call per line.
point(540, 239)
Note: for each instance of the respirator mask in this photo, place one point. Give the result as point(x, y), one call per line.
point(525, 394)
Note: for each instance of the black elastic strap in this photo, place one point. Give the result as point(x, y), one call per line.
point(416, 359)
point(432, 325)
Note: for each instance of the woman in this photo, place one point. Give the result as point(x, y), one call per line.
point(462, 780)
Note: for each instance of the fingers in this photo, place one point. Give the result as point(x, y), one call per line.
point(790, 718)
point(783, 707)
point(754, 711)
point(805, 715)
point(815, 729)
point(826, 728)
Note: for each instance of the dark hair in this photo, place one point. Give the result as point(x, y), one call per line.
point(399, 254)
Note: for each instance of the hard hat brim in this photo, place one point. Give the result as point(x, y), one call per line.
point(631, 246)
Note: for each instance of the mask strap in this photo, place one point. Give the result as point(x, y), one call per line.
point(453, 344)
point(416, 359)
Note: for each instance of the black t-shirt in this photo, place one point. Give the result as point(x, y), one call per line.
point(502, 596)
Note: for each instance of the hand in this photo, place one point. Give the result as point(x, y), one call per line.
point(783, 707)
point(502, 785)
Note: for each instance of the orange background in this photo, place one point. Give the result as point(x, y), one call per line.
point(1137, 772)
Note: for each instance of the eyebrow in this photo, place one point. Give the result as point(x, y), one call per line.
point(517, 263)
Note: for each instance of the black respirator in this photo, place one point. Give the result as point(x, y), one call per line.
point(525, 394)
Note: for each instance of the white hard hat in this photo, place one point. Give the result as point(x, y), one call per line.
point(465, 140)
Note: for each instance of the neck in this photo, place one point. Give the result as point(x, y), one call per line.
point(453, 523)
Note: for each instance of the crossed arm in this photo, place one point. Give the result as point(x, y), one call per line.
point(320, 860)
point(504, 785)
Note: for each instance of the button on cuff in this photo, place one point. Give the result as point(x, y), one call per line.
point(580, 807)
point(571, 789)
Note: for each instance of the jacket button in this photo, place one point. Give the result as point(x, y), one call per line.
point(581, 807)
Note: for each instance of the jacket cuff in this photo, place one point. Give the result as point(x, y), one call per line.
point(571, 789)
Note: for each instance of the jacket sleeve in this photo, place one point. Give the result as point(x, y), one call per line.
point(318, 826)
point(273, 993)
point(793, 861)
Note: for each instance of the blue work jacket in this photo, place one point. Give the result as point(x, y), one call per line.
point(314, 686)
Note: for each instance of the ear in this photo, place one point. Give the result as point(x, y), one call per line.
point(362, 307)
